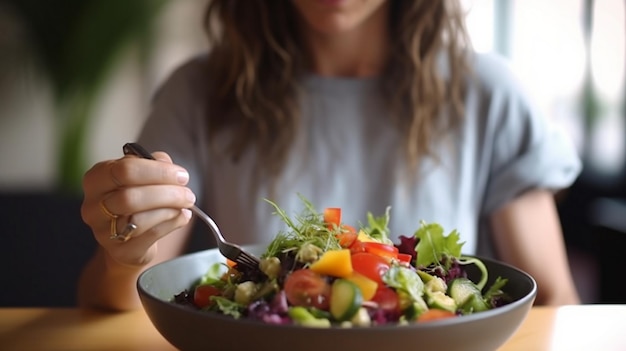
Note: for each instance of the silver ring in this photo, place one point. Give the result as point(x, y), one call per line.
point(125, 235)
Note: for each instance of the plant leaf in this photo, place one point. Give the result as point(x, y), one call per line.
point(433, 245)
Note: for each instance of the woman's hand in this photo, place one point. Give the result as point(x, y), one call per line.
point(141, 199)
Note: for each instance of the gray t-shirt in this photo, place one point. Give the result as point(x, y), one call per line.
point(348, 154)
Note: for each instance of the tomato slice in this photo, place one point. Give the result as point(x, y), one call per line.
point(202, 295)
point(380, 249)
point(308, 289)
point(357, 246)
point(332, 217)
point(370, 265)
point(347, 236)
point(348, 229)
point(387, 299)
point(346, 239)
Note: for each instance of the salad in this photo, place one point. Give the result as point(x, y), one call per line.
point(321, 272)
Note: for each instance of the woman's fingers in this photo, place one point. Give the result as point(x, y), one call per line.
point(135, 198)
point(148, 222)
point(162, 156)
point(153, 210)
point(150, 227)
point(127, 201)
point(113, 185)
point(128, 171)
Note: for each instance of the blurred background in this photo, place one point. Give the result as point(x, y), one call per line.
point(76, 78)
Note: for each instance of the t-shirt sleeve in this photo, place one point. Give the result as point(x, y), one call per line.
point(528, 150)
point(174, 124)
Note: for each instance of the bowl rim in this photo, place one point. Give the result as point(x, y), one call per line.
point(523, 301)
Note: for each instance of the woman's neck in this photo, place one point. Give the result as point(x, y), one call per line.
point(359, 52)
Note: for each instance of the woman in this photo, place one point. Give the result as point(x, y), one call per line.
point(353, 104)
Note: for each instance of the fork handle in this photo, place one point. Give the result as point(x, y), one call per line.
point(137, 150)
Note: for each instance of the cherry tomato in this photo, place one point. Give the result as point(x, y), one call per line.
point(307, 288)
point(435, 314)
point(202, 295)
point(387, 299)
point(370, 265)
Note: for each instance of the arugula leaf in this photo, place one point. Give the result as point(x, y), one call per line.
point(433, 245)
point(496, 289)
point(378, 227)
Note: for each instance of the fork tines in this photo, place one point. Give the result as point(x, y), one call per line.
point(247, 259)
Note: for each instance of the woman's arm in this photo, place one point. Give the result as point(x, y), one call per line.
point(528, 235)
point(107, 284)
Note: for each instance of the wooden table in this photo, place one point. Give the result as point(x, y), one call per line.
point(568, 328)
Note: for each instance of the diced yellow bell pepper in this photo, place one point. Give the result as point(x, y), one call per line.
point(335, 263)
point(368, 287)
point(364, 238)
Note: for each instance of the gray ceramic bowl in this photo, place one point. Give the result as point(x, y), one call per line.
point(188, 329)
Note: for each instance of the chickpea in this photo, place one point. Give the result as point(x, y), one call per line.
point(244, 292)
point(308, 253)
point(270, 266)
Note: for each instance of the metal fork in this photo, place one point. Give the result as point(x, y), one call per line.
point(231, 251)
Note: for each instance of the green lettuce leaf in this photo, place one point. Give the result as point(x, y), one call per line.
point(228, 307)
point(405, 280)
point(214, 274)
point(433, 245)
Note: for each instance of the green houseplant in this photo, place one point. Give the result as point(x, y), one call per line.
point(77, 43)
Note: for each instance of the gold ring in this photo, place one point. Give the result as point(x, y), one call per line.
point(125, 235)
point(113, 228)
point(106, 211)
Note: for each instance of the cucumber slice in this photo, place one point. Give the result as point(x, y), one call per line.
point(302, 316)
point(474, 304)
point(435, 284)
point(345, 299)
point(438, 299)
point(425, 276)
point(435, 291)
point(466, 295)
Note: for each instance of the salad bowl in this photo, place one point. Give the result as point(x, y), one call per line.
point(189, 329)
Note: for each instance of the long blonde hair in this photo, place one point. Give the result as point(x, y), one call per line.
point(256, 60)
